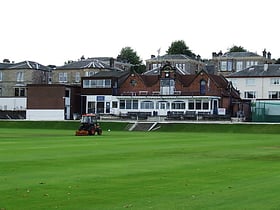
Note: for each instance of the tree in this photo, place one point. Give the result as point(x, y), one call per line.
point(180, 47)
point(128, 55)
point(237, 49)
point(277, 61)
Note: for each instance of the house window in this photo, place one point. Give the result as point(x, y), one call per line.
point(102, 83)
point(0, 91)
point(20, 76)
point(250, 82)
point(122, 104)
point(198, 104)
point(77, 77)
point(91, 107)
point(205, 105)
point(178, 105)
point(275, 81)
point(239, 65)
point(229, 66)
point(62, 77)
point(147, 105)
point(202, 87)
point(20, 91)
point(223, 65)
point(274, 94)
point(250, 94)
point(1, 75)
point(191, 105)
point(114, 104)
point(251, 63)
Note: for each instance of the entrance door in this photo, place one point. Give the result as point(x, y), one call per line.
point(162, 107)
point(100, 107)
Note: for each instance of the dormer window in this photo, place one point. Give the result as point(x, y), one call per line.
point(202, 87)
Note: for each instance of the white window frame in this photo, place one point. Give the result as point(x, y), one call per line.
point(77, 77)
point(1, 75)
point(272, 93)
point(147, 105)
point(20, 76)
point(97, 83)
point(250, 94)
point(275, 81)
point(62, 77)
point(239, 65)
point(223, 65)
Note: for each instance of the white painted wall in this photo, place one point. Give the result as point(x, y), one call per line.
point(13, 103)
point(262, 86)
point(44, 114)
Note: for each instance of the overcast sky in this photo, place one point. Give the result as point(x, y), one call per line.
point(54, 31)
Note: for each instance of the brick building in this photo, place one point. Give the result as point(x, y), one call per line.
point(159, 93)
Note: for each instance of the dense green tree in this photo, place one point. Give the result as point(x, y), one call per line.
point(128, 55)
point(277, 61)
point(180, 47)
point(237, 49)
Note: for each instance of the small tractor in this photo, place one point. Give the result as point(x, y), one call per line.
point(89, 126)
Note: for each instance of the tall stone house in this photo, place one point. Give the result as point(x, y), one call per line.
point(14, 78)
point(230, 62)
point(72, 71)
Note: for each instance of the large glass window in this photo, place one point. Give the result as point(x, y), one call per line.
point(20, 91)
point(114, 104)
point(229, 66)
point(95, 83)
point(202, 87)
point(178, 105)
point(205, 105)
point(147, 105)
point(62, 77)
point(274, 94)
point(275, 81)
point(128, 104)
point(249, 94)
point(223, 65)
point(20, 76)
point(122, 104)
point(191, 105)
point(77, 77)
point(239, 65)
point(198, 104)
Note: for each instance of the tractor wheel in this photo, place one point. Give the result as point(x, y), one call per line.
point(99, 132)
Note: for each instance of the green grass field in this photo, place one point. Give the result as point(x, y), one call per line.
point(53, 169)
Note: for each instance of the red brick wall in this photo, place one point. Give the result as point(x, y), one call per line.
point(45, 97)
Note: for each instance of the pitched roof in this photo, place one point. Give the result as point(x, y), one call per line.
point(112, 73)
point(156, 71)
point(29, 65)
point(170, 57)
point(240, 54)
point(266, 70)
point(5, 65)
point(90, 63)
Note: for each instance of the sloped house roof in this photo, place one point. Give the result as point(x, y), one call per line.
point(185, 63)
point(266, 70)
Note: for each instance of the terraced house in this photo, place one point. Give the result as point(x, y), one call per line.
point(14, 78)
point(230, 62)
